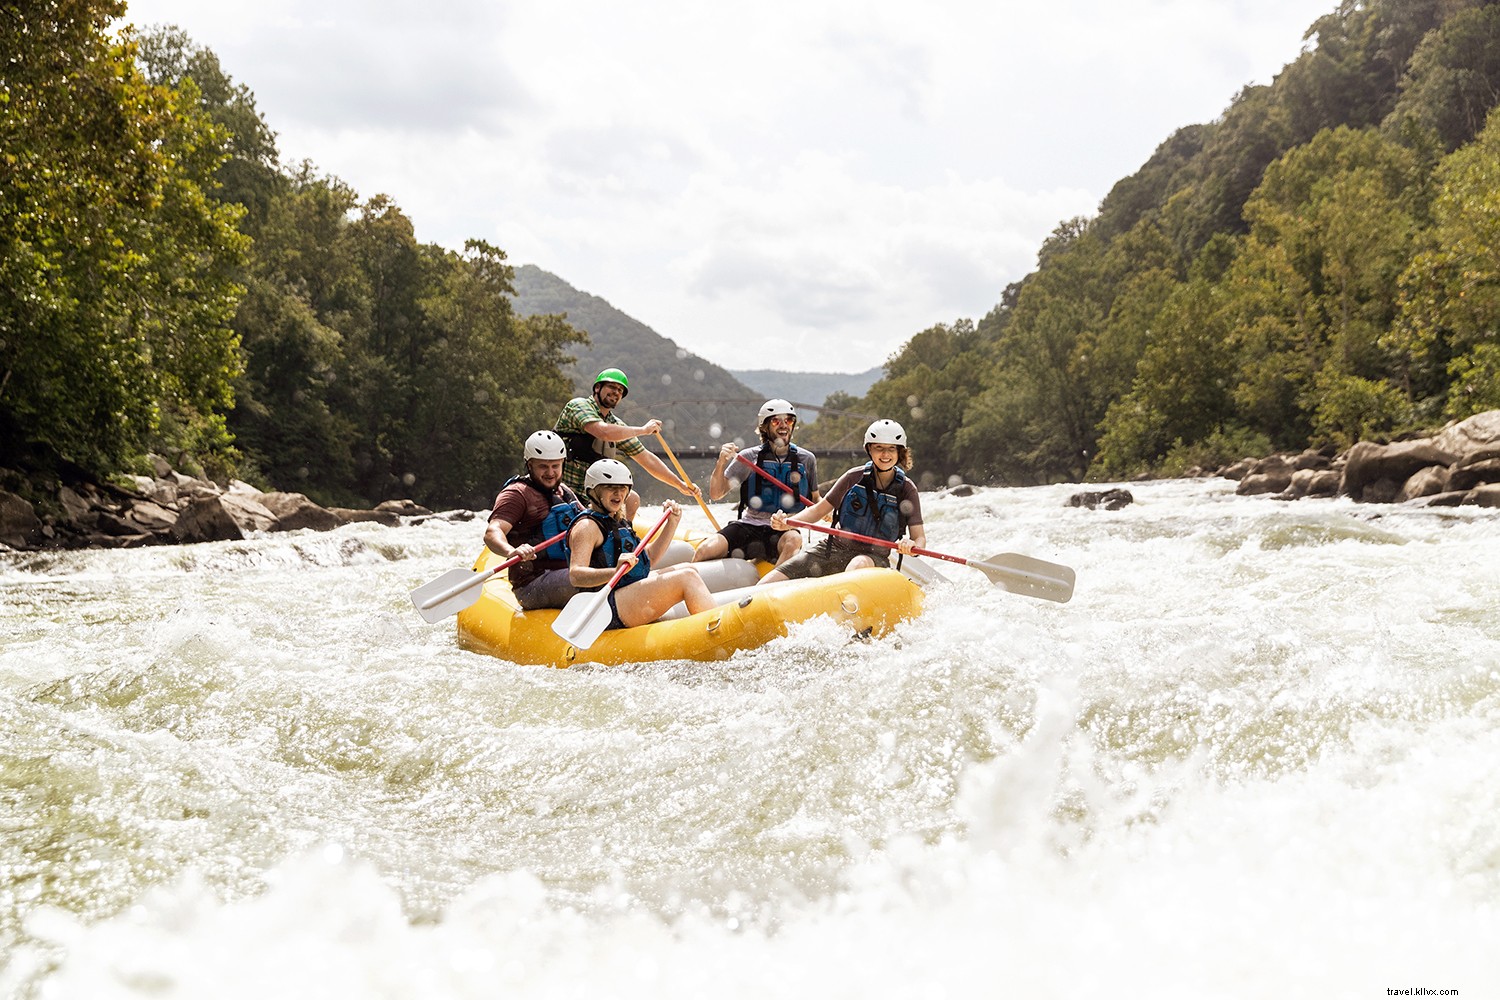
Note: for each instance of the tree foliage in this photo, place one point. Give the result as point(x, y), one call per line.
point(117, 269)
point(1315, 266)
point(171, 287)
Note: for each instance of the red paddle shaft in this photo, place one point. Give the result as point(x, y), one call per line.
point(739, 456)
point(840, 532)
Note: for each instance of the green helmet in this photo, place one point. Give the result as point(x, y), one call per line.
point(617, 377)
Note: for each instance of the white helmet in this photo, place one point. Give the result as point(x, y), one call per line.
point(545, 445)
point(775, 406)
point(606, 472)
point(885, 432)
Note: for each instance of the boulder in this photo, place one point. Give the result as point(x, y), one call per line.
point(74, 504)
point(404, 508)
point(1239, 470)
point(1483, 496)
point(1311, 482)
point(1450, 499)
point(20, 528)
point(225, 517)
point(147, 515)
point(1108, 499)
point(294, 511)
point(350, 514)
point(1311, 460)
point(1424, 483)
point(1467, 474)
point(1474, 438)
point(1272, 474)
point(1374, 473)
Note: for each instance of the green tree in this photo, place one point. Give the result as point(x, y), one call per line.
point(1331, 228)
point(116, 268)
point(1180, 389)
point(928, 386)
point(1450, 292)
point(1453, 79)
point(483, 381)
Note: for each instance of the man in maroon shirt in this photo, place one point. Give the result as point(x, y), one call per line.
point(528, 510)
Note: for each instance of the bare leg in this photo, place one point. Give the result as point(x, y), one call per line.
point(632, 504)
point(790, 545)
point(651, 598)
point(860, 562)
point(715, 546)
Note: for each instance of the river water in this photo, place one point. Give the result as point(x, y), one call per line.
point(1258, 754)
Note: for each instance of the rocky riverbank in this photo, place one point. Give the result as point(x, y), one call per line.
point(170, 508)
point(1460, 465)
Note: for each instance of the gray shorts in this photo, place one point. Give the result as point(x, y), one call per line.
point(550, 589)
point(826, 558)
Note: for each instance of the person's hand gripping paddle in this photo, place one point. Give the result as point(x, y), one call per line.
point(459, 588)
point(1016, 573)
point(587, 615)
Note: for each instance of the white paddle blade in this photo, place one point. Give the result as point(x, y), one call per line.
point(1027, 576)
point(448, 594)
point(922, 573)
point(584, 619)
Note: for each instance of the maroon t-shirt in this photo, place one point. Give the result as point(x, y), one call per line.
point(523, 507)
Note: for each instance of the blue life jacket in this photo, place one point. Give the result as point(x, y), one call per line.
point(564, 508)
point(619, 538)
point(759, 493)
point(868, 510)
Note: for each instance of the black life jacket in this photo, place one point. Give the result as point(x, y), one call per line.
point(584, 447)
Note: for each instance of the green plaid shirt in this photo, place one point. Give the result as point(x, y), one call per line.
point(583, 410)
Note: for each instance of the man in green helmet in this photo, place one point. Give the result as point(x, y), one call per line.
point(591, 430)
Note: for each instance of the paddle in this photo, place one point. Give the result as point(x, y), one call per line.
point(683, 475)
point(1016, 573)
point(740, 457)
point(449, 593)
point(587, 615)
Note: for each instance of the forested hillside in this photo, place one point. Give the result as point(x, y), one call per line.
point(700, 403)
point(166, 285)
point(1319, 264)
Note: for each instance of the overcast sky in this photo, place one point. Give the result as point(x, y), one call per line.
point(791, 184)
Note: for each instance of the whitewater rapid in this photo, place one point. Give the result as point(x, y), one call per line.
point(1257, 754)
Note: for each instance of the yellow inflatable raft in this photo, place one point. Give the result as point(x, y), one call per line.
point(869, 601)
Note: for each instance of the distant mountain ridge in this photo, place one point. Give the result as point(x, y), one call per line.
point(703, 403)
point(810, 388)
point(700, 403)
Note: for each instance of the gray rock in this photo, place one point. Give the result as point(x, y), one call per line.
point(1424, 483)
point(404, 508)
point(227, 517)
point(150, 516)
point(1368, 466)
point(1108, 499)
point(294, 511)
point(1468, 473)
point(388, 518)
point(1483, 496)
point(20, 528)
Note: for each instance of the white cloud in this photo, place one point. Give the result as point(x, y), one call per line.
point(784, 184)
